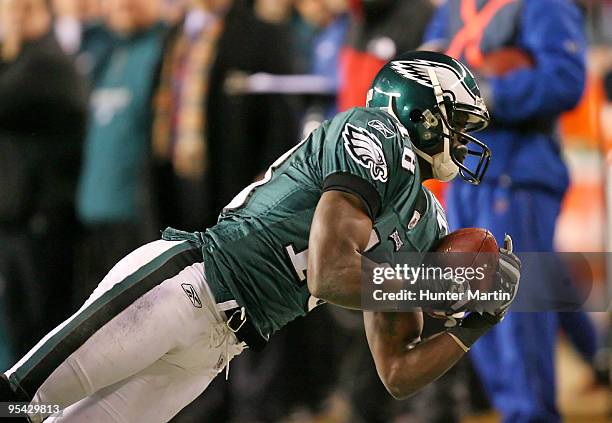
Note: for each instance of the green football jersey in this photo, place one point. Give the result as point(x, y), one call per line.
point(258, 250)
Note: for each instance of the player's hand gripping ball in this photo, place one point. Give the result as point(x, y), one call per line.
point(467, 248)
point(471, 248)
point(508, 276)
point(494, 269)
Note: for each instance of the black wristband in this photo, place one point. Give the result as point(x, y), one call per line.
point(471, 328)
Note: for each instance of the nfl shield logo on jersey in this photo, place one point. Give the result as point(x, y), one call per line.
point(415, 219)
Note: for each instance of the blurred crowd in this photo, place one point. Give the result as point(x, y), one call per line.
point(121, 117)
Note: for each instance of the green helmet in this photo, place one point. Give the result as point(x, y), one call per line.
point(436, 99)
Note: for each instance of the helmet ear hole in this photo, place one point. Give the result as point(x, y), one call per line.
point(416, 115)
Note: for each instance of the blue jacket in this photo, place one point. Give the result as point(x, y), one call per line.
point(552, 32)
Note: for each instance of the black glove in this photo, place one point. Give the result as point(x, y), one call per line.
point(471, 328)
point(508, 277)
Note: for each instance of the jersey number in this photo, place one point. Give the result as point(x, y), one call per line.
point(299, 261)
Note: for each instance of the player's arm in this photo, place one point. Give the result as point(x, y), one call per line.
point(340, 231)
point(361, 172)
point(403, 363)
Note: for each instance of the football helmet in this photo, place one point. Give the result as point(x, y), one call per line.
point(436, 100)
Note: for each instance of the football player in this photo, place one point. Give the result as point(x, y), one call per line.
point(172, 314)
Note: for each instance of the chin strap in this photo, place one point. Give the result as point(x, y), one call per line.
point(442, 165)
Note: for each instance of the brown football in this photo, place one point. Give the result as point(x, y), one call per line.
point(468, 240)
point(477, 248)
point(503, 61)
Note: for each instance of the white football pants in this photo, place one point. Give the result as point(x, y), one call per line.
point(145, 344)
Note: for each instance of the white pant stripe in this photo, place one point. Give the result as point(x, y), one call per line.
point(227, 305)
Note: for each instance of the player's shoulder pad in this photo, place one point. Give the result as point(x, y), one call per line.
point(377, 133)
point(376, 124)
point(374, 120)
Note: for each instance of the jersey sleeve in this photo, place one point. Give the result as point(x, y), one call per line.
point(363, 155)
